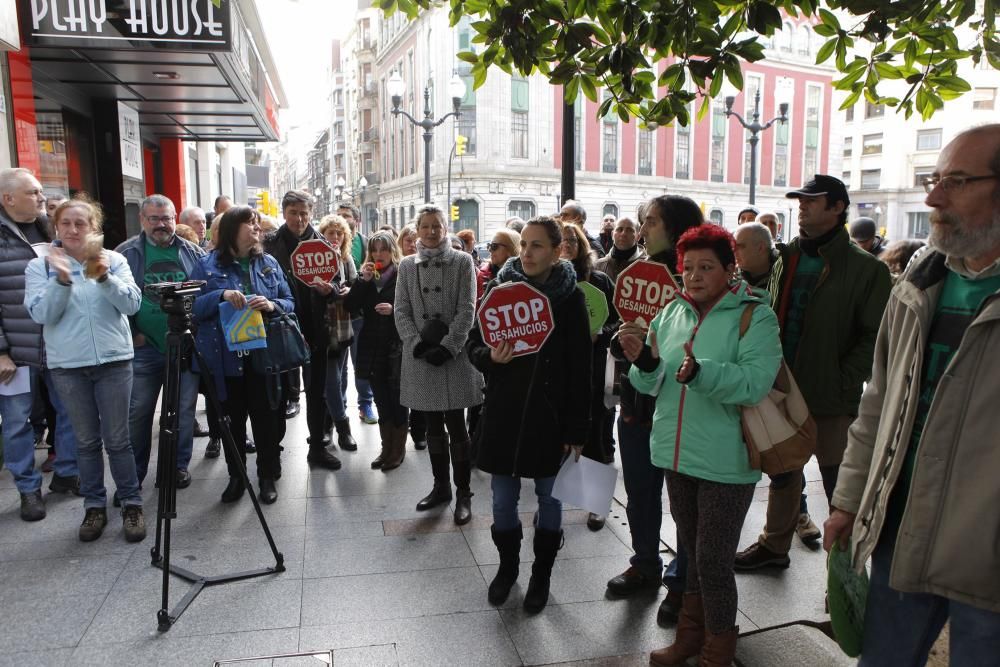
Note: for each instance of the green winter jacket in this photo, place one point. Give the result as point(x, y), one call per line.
point(834, 357)
point(696, 427)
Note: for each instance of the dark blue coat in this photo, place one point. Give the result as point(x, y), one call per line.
point(266, 279)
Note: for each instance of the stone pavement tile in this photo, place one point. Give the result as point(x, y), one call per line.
point(376, 597)
point(790, 646)
point(193, 537)
point(231, 555)
point(580, 543)
point(69, 547)
point(633, 660)
point(53, 620)
point(435, 523)
point(56, 657)
point(377, 655)
point(78, 575)
point(129, 613)
point(335, 510)
point(372, 555)
point(239, 516)
point(170, 649)
point(63, 516)
point(371, 482)
point(460, 639)
point(579, 580)
point(483, 521)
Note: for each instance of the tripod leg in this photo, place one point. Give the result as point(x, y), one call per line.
point(233, 454)
point(166, 468)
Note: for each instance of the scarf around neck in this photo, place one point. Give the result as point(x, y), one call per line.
point(560, 284)
point(426, 254)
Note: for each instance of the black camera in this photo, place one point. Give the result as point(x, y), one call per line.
point(175, 298)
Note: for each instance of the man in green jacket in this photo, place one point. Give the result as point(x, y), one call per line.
point(829, 296)
point(918, 489)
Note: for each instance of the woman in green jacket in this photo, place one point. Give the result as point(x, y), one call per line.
point(701, 371)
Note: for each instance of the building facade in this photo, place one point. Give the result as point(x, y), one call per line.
point(514, 128)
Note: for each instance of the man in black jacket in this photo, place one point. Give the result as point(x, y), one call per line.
point(23, 225)
point(296, 208)
point(572, 211)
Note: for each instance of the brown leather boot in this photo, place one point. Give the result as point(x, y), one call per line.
point(385, 435)
point(395, 447)
point(719, 650)
point(690, 635)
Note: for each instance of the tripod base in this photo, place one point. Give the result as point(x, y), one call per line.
point(199, 582)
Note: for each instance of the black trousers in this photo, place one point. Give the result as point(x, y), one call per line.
point(314, 377)
point(246, 396)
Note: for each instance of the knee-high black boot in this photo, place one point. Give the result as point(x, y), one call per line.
point(547, 544)
point(508, 543)
point(462, 474)
point(437, 446)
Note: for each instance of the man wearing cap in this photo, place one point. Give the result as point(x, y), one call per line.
point(863, 232)
point(918, 490)
point(748, 214)
point(829, 296)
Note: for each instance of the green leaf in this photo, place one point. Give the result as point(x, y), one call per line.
point(589, 89)
point(826, 50)
point(829, 18)
point(572, 90)
point(468, 56)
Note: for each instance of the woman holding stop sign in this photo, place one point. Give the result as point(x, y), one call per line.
point(537, 408)
point(435, 307)
point(702, 370)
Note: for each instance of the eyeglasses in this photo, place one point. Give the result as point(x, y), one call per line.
point(570, 240)
point(493, 247)
point(160, 219)
point(951, 184)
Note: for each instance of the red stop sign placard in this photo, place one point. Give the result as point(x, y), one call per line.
point(643, 289)
point(314, 261)
point(517, 313)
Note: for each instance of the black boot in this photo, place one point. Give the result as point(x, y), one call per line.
point(268, 494)
point(344, 438)
point(384, 436)
point(234, 490)
point(320, 457)
point(440, 460)
point(547, 544)
point(508, 544)
point(462, 472)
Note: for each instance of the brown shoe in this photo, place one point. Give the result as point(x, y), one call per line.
point(384, 435)
point(396, 447)
point(690, 635)
point(719, 650)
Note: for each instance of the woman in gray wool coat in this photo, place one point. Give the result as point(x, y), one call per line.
point(435, 309)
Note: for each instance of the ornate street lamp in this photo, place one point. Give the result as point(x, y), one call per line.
point(755, 128)
point(396, 87)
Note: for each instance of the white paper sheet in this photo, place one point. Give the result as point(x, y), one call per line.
point(21, 384)
point(586, 484)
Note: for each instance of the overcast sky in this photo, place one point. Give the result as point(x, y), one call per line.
point(299, 33)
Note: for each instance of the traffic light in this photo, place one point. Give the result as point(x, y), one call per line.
point(264, 202)
point(460, 144)
point(454, 212)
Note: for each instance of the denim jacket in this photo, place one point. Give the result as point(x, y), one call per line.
point(85, 324)
point(266, 279)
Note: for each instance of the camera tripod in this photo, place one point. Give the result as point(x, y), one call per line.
point(177, 301)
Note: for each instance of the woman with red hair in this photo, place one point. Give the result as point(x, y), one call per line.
point(702, 370)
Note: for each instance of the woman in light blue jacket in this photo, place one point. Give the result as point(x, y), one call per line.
point(84, 315)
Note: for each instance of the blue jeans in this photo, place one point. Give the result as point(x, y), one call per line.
point(507, 491)
point(336, 378)
point(901, 628)
point(148, 369)
point(99, 416)
point(644, 490)
point(19, 439)
point(362, 385)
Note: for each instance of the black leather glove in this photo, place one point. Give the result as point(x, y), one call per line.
point(437, 356)
point(421, 349)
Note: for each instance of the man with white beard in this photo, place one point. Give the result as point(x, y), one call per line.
point(917, 491)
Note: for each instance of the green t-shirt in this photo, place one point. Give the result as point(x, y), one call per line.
point(806, 278)
point(245, 273)
point(162, 265)
point(960, 300)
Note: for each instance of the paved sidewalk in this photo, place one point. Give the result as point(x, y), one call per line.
point(367, 576)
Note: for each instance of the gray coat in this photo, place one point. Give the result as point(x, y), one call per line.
point(444, 288)
point(20, 336)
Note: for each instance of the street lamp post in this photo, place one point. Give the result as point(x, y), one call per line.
point(755, 128)
point(396, 87)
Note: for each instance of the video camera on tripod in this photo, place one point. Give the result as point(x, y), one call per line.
point(176, 299)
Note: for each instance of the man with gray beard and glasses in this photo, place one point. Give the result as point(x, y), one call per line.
point(917, 491)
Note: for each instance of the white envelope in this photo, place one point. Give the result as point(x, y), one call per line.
point(21, 384)
point(586, 484)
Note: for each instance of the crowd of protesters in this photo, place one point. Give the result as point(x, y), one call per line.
point(889, 343)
